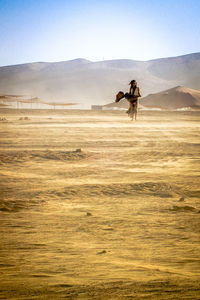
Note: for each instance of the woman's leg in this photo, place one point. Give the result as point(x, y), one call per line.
point(129, 109)
point(131, 113)
point(135, 110)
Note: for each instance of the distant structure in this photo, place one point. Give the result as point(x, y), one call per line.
point(10, 99)
point(96, 107)
point(56, 104)
point(31, 102)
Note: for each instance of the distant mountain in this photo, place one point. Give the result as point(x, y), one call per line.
point(87, 82)
point(175, 98)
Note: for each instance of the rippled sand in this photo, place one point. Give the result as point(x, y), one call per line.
point(118, 219)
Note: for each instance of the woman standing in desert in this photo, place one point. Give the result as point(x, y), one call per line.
point(134, 94)
point(132, 98)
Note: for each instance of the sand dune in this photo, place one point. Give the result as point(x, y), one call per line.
point(94, 206)
point(178, 97)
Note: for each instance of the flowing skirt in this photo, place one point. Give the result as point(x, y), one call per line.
point(132, 111)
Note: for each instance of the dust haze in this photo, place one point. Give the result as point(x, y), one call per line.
point(94, 206)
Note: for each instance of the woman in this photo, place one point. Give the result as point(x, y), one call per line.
point(132, 97)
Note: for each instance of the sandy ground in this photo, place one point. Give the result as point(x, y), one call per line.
point(118, 219)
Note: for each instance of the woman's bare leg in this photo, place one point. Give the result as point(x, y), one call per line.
point(131, 113)
point(135, 111)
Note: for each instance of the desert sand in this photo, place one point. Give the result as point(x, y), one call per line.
point(94, 206)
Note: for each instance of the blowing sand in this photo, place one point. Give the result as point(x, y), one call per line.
point(118, 219)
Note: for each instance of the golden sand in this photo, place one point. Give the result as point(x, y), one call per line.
point(118, 219)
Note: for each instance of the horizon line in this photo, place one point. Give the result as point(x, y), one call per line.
point(81, 58)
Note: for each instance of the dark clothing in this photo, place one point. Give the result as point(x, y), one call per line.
point(134, 101)
point(132, 91)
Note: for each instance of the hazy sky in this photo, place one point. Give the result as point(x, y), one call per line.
point(55, 30)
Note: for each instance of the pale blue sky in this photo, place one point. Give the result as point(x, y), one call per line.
point(57, 30)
